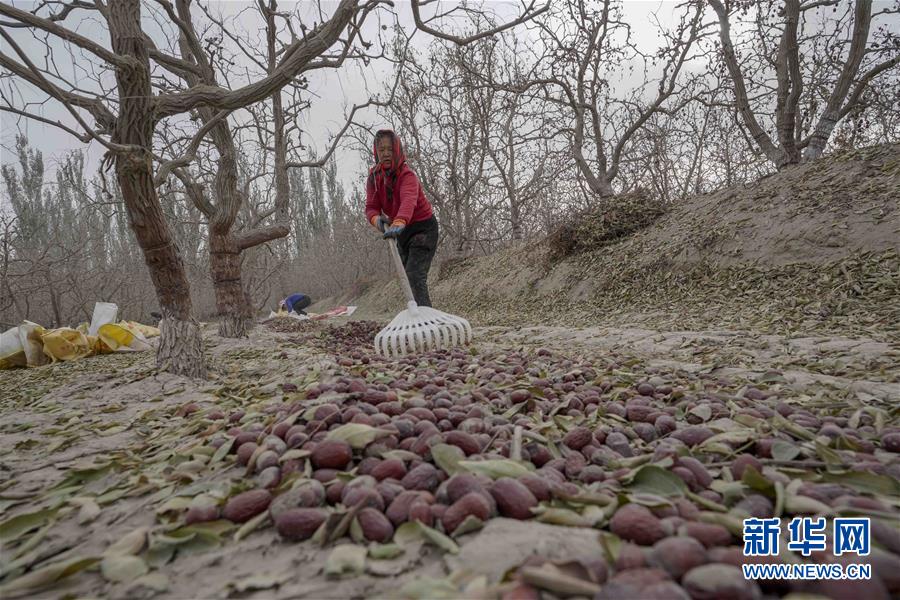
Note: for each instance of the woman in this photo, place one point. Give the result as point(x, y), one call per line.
point(397, 207)
point(295, 303)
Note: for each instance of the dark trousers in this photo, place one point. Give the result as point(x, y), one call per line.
point(300, 306)
point(417, 245)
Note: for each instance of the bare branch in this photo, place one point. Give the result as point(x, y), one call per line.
point(49, 26)
point(298, 57)
point(190, 152)
point(59, 95)
point(811, 4)
point(337, 138)
point(82, 137)
point(255, 237)
point(831, 114)
point(195, 192)
point(105, 119)
point(666, 89)
point(864, 81)
point(528, 15)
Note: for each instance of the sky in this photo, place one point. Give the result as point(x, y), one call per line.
point(331, 92)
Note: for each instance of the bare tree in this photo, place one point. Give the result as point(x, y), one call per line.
point(582, 43)
point(442, 141)
point(811, 95)
point(221, 208)
point(73, 251)
point(128, 135)
point(516, 132)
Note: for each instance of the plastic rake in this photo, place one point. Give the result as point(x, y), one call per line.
point(419, 328)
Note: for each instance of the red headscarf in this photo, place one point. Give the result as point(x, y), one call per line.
point(381, 173)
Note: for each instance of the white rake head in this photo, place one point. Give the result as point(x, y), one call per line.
point(420, 329)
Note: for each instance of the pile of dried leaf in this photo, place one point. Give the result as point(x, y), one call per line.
point(375, 460)
point(606, 221)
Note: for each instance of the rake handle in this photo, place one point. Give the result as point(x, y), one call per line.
point(401, 272)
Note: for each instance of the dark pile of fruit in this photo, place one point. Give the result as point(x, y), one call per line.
point(282, 325)
point(351, 340)
point(670, 465)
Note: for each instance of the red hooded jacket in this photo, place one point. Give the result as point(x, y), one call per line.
point(407, 201)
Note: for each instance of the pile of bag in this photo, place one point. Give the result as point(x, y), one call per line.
point(30, 345)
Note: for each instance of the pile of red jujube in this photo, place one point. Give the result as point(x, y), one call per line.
point(581, 427)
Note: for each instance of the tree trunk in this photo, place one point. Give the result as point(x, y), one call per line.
point(601, 185)
point(232, 302)
point(742, 103)
point(832, 113)
point(180, 348)
point(514, 209)
point(54, 303)
point(790, 85)
point(598, 183)
point(232, 308)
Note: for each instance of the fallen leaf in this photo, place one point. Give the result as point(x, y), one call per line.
point(548, 577)
point(358, 435)
point(414, 530)
point(783, 450)
point(346, 559)
point(131, 544)
point(89, 510)
point(13, 528)
point(123, 569)
point(263, 581)
point(222, 451)
point(427, 588)
point(655, 480)
point(497, 468)
point(447, 457)
point(863, 481)
point(154, 581)
point(385, 551)
point(48, 575)
point(251, 525)
point(469, 524)
point(562, 516)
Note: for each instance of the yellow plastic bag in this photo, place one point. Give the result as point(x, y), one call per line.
point(66, 343)
point(116, 338)
point(147, 331)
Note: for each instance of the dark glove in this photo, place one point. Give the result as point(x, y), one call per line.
point(394, 231)
point(382, 223)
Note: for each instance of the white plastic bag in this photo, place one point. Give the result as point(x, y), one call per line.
point(12, 352)
point(30, 334)
point(104, 312)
